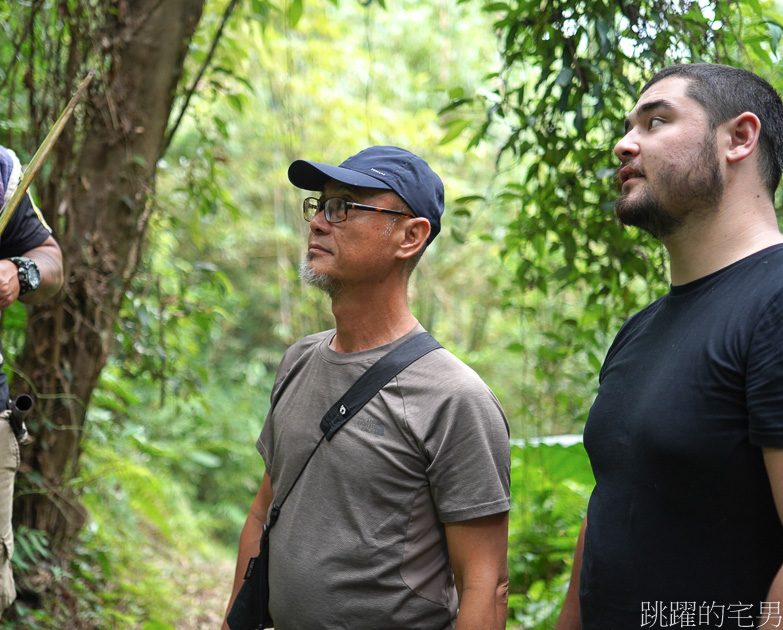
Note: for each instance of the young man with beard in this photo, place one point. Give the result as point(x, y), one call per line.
point(685, 435)
point(401, 520)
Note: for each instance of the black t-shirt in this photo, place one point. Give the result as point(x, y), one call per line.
point(25, 230)
point(682, 526)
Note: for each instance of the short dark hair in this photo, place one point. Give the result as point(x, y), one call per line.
point(725, 92)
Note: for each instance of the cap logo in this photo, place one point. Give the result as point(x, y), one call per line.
point(375, 170)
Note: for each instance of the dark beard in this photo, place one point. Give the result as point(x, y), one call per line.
point(319, 280)
point(697, 190)
point(647, 214)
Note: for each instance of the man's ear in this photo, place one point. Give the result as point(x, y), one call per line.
point(416, 231)
point(743, 136)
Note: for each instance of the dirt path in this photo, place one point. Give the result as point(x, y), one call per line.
point(207, 592)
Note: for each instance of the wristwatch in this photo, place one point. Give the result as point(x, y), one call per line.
point(29, 276)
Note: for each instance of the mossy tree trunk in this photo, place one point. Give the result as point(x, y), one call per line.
point(97, 198)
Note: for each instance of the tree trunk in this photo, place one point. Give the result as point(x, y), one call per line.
point(101, 217)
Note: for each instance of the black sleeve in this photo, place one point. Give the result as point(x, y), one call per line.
point(764, 394)
point(26, 229)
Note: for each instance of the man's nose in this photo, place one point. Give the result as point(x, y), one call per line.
point(627, 147)
point(319, 223)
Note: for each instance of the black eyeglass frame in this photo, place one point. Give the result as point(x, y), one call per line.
point(321, 204)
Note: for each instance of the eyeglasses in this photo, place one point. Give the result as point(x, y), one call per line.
point(336, 209)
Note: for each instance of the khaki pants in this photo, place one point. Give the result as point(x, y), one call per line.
point(9, 463)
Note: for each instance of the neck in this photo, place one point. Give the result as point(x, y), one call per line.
point(368, 319)
point(742, 225)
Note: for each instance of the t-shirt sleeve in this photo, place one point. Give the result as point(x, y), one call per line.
point(26, 228)
point(764, 384)
point(467, 445)
point(265, 444)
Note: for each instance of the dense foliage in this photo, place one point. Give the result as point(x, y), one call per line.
point(517, 105)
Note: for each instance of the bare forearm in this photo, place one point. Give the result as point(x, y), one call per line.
point(773, 460)
point(49, 260)
point(478, 552)
point(250, 537)
point(570, 616)
point(483, 609)
point(776, 590)
point(248, 547)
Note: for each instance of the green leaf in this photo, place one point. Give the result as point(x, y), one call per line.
point(565, 463)
point(455, 128)
point(755, 5)
point(207, 460)
point(469, 198)
point(454, 104)
point(236, 101)
point(602, 28)
point(295, 11)
point(496, 6)
point(775, 31)
point(565, 76)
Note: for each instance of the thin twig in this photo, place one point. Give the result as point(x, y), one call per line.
point(205, 65)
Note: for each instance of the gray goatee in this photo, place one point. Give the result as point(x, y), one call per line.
point(321, 281)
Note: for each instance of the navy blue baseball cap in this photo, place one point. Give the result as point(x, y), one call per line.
point(386, 168)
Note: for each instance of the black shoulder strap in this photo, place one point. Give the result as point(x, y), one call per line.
point(373, 380)
point(360, 393)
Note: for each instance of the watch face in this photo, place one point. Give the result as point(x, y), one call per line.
point(29, 274)
point(33, 277)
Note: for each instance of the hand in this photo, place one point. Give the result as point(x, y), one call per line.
point(9, 284)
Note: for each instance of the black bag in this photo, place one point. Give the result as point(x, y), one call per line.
point(250, 610)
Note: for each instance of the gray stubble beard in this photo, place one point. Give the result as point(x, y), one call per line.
point(321, 281)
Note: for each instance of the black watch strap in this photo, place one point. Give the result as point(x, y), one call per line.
point(28, 274)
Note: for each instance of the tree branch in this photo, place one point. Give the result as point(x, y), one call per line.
point(205, 65)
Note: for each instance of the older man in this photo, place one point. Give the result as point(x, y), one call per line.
point(401, 520)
